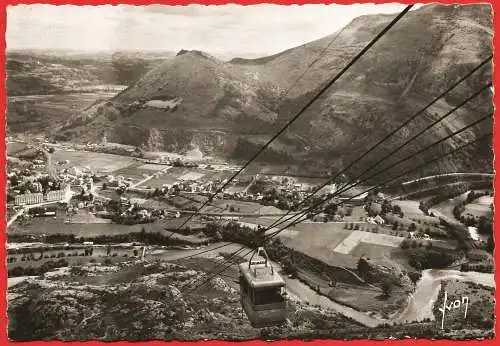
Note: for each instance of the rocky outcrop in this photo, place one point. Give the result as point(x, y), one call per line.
point(135, 301)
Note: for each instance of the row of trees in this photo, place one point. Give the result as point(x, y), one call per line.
point(234, 232)
point(34, 271)
point(427, 258)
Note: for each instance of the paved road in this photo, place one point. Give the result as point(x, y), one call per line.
point(150, 177)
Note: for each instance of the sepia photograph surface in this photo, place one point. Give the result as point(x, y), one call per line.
point(249, 172)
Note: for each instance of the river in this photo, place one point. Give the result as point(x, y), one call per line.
point(304, 293)
point(427, 291)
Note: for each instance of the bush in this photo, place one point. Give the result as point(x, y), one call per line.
point(414, 276)
point(16, 271)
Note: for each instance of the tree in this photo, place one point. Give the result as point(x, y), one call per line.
point(490, 245)
point(104, 186)
point(386, 207)
point(405, 244)
point(142, 235)
point(387, 288)
point(396, 209)
point(290, 268)
point(412, 227)
point(14, 180)
point(17, 271)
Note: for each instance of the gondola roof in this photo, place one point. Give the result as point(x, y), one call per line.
point(261, 276)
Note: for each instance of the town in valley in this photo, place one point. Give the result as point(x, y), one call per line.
point(135, 209)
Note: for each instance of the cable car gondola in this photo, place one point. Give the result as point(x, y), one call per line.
point(262, 291)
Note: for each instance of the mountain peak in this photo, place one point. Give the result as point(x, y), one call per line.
point(195, 52)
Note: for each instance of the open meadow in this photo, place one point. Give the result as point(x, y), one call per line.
point(479, 207)
point(96, 162)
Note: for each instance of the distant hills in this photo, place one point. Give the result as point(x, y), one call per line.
point(229, 109)
point(46, 72)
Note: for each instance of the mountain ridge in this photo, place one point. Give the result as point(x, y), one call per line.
point(249, 99)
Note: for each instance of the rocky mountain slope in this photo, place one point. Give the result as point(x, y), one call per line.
point(135, 301)
point(230, 108)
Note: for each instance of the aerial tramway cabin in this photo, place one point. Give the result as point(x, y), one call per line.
point(262, 291)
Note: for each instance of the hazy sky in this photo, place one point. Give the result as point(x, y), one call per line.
point(219, 30)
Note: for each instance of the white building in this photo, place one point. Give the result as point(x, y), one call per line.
point(28, 198)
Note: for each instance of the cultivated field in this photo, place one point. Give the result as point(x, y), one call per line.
point(356, 237)
point(48, 226)
point(409, 207)
point(97, 162)
point(191, 176)
point(134, 171)
point(152, 167)
point(318, 239)
point(15, 147)
point(239, 206)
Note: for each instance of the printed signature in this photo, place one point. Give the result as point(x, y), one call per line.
point(456, 304)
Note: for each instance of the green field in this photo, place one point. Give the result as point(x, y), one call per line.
point(239, 206)
point(47, 225)
point(16, 147)
point(97, 162)
point(175, 174)
point(409, 207)
point(134, 171)
point(479, 207)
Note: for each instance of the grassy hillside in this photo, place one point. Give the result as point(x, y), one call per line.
point(231, 108)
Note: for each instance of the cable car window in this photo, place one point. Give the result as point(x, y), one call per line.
point(268, 295)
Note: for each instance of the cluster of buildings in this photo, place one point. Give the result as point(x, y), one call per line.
point(39, 197)
point(82, 184)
